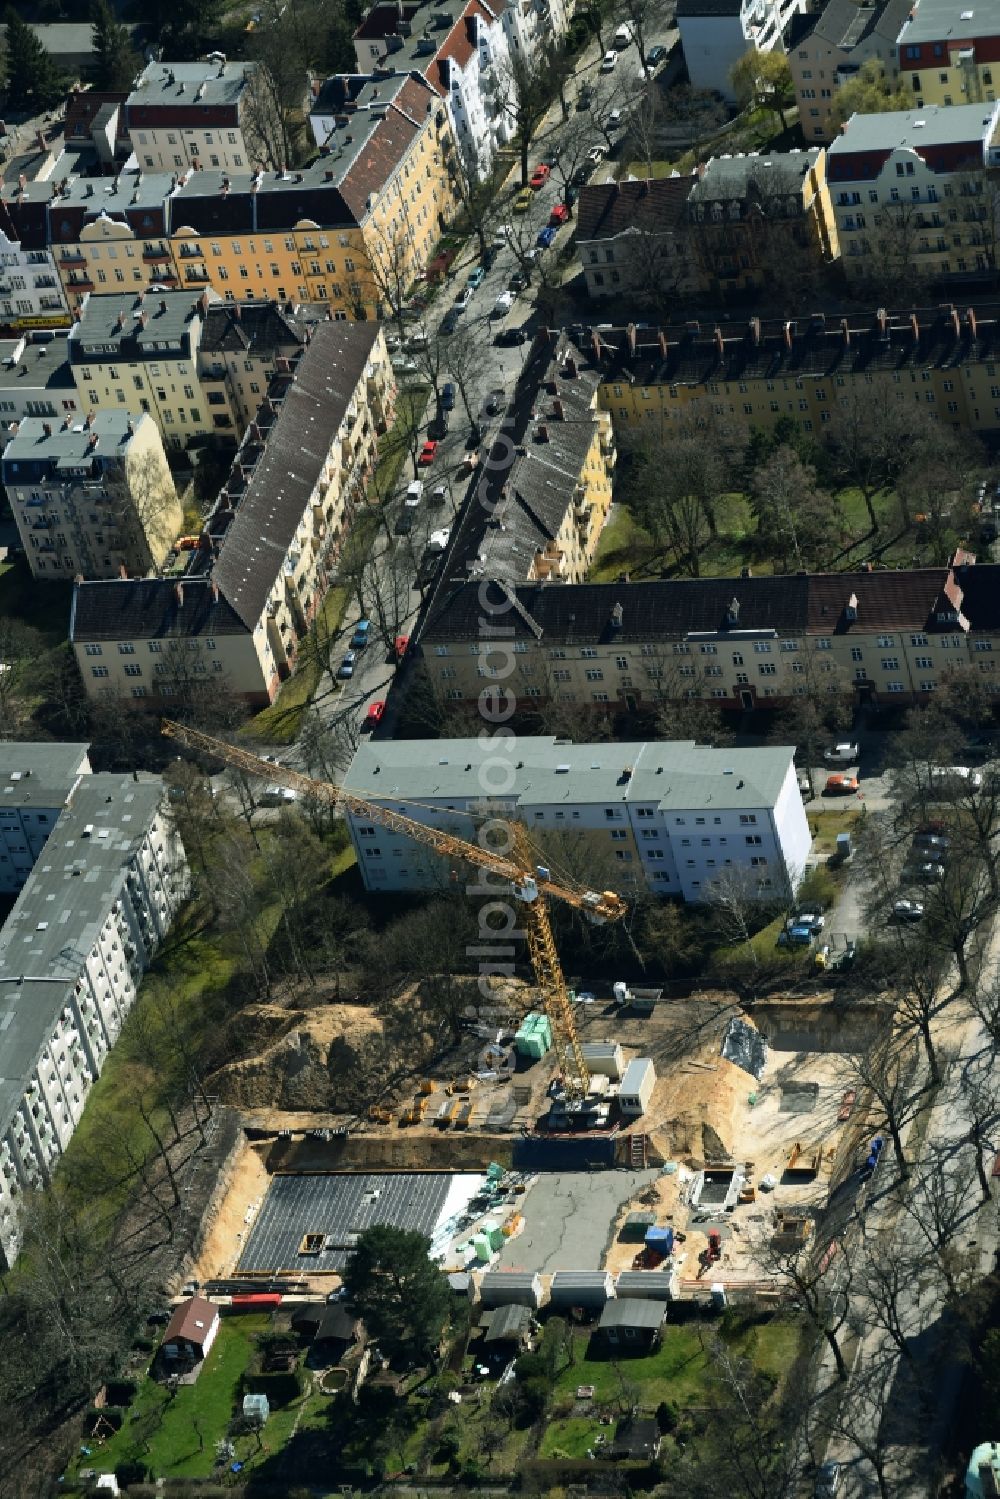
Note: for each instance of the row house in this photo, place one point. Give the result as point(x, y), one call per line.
point(94, 498)
point(672, 817)
point(465, 60)
point(139, 354)
point(202, 114)
point(909, 191)
point(85, 926)
point(344, 232)
point(31, 295)
point(235, 617)
point(829, 47)
point(941, 361)
point(741, 643)
point(543, 493)
point(715, 34)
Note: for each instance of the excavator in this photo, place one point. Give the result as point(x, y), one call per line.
point(530, 883)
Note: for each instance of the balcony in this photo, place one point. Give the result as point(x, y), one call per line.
point(71, 257)
point(155, 252)
point(193, 277)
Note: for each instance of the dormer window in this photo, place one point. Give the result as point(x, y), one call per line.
point(851, 612)
point(733, 612)
point(947, 617)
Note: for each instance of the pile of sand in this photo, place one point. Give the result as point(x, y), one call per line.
point(314, 1059)
point(698, 1108)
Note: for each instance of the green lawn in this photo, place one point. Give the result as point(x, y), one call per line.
point(175, 1435)
point(678, 1369)
point(281, 722)
point(574, 1436)
point(394, 448)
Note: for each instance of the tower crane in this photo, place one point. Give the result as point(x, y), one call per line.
point(530, 884)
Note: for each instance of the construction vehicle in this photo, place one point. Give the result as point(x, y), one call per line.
point(531, 884)
point(378, 1115)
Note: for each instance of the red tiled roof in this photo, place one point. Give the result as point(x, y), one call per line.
point(191, 1321)
point(884, 601)
point(606, 209)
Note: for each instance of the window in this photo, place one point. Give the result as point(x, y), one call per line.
point(618, 835)
point(762, 647)
point(923, 663)
point(857, 654)
point(126, 648)
point(983, 645)
point(823, 644)
point(918, 640)
point(93, 650)
point(100, 671)
point(133, 671)
point(754, 840)
point(890, 663)
point(588, 653)
point(886, 642)
point(709, 650)
point(595, 675)
point(768, 669)
point(748, 818)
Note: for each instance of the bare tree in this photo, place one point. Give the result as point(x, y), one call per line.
point(820, 1273)
point(888, 1071)
point(144, 512)
point(525, 90)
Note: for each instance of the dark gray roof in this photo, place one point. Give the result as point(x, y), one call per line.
point(253, 327)
point(657, 206)
point(845, 24)
point(315, 402)
point(150, 325)
point(519, 507)
point(150, 609)
point(192, 85)
point(506, 1323)
point(632, 1312)
point(708, 8)
point(336, 1325)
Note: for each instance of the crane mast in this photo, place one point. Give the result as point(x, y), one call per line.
point(531, 885)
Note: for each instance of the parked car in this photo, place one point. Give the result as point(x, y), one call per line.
point(476, 278)
point(427, 454)
point(277, 796)
point(821, 957)
point(844, 753)
point(581, 176)
point(438, 540)
point(559, 215)
point(509, 338)
point(808, 916)
point(417, 340)
point(551, 157)
point(345, 671)
point(609, 62)
point(518, 281)
point(400, 646)
point(828, 1481)
point(545, 237)
point(585, 97)
point(503, 304)
point(804, 785)
point(501, 234)
point(596, 154)
point(404, 523)
point(375, 711)
point(927, 873)
point(841, 785)
point(362, 632)
point(539, 176)
point(438, 495)
point(932, 842)
point(799, 935)
point(614, 119)
point(403, 365)
point(523, 200)
point(956, 778)
point(414, 494)
point(463, 299)
point(906, 909)
point(447, 396)
point(656, 55)
point(450, 320)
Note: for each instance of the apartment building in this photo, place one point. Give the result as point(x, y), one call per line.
point(544, 490)
point(757, 220)
point(30, 293)
point(102, 893)
point(939, 361)
point(241, 344)
point(880, 637)
point(829, 48)
point(465, 59)
point(347, 231)
point(631, 238)
point(673, 817)
point(139, 353)
point(908, 191)
point(715, 34)
point(949, 55)
point(95, 498)
point(208, 114)
point(35, 781)
point(233, 620)
point(36, 379)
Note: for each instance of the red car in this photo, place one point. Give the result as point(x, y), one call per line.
point(402, 645)
point(427, 454)
point(375, 711)
point(540, 176)
point(559, 215)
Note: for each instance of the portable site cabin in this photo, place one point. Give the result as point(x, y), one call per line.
point(510, 1288)
point(633, 1230)
point(604, 1057)
point(636, 1087)
point(647, 1285)
point(585, 1288)
point(632, 1323)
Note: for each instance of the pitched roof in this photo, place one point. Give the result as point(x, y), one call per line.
point(915, 129)
point(315, 402)
point(191, 85)
point(150, 609)
point(708, 8)
point(606, 209)
point(506, 1323)
point(632, 1312)
point(192, 1320)
point(845, 24)
point(254, 327)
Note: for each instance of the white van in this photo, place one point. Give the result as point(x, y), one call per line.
point(622, 38)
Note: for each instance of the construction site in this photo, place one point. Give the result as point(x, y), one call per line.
point(629, 1133)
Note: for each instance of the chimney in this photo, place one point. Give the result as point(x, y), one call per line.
point(883, 322)
point(733, 612)
point(89, 419)
point(215, 591)
point(845, 332)
point(237, 314)
point(630, 335)
point(970, 318)
point(123, 572)
point(617, 617)
point(755, 331)
point(163, 305)
point(143, 318)
point(720, 347)
point(789, 331)
point(543, 433)
point(956, 322)
point(203, 303)
point(914, 327)
point(92, 442)
point(130, 427)
point(557, 410)
point(47, 428)
point(569, 368)
point(179, 594)
point(664, 346)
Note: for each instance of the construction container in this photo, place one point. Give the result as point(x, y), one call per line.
point(604, 1057)
point(719, 1301)
point(648, 1285)
point(633, 1230)
point(660, 1240)
point(510, 1288)
point(428, 1085)
point(588, 1288)
point(483, 1248)
point(493, 1232)
point(447, 1112)
point(495, 1172)
point(637, 1087)
point(534, 1037)
point(513, 1225)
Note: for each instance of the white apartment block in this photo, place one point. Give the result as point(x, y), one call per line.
point(674, 817)
point(31, 294)
point(101, 895)
point(92, 498)
point(33, 791)
point(200, 114)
